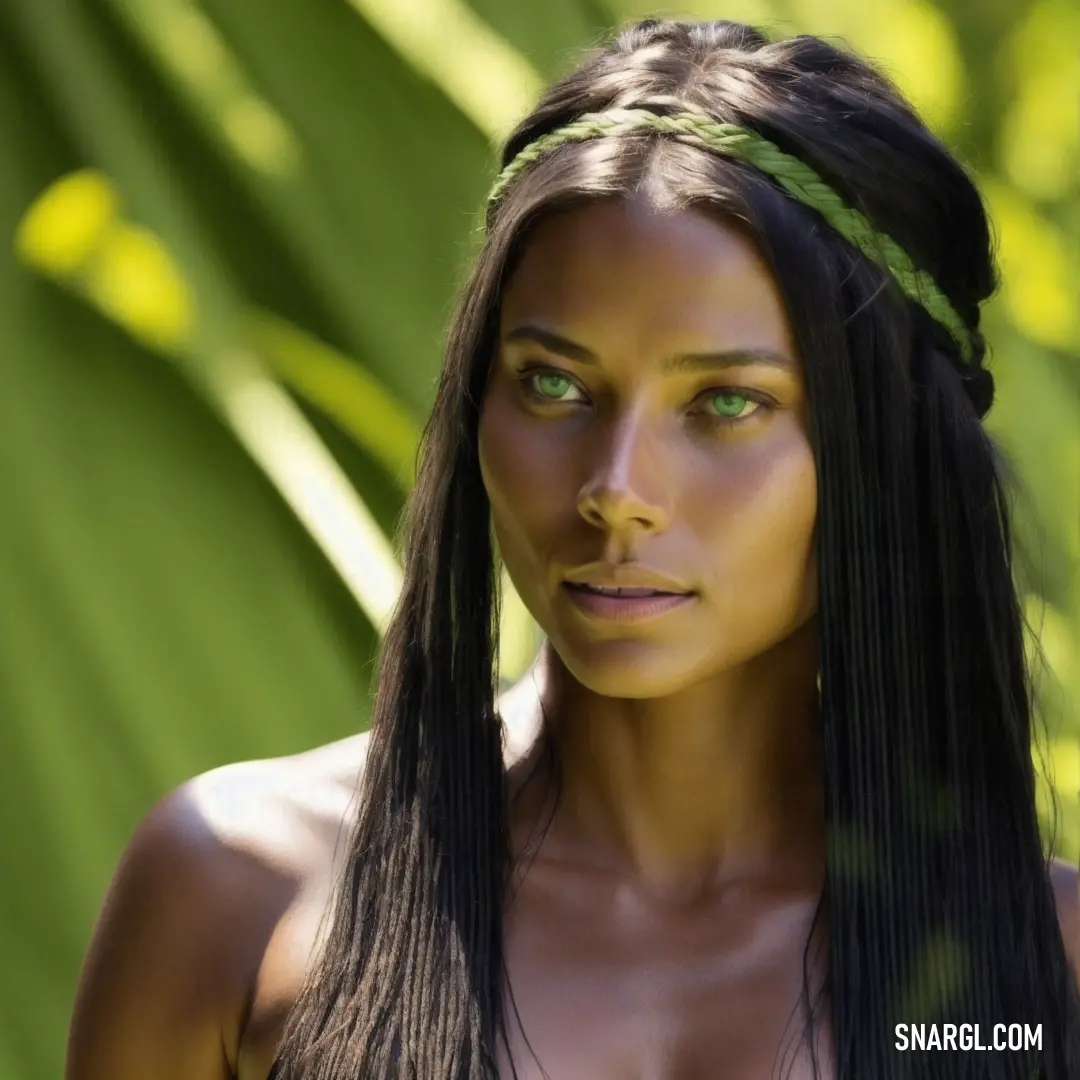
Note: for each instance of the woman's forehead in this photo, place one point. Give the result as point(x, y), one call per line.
point(621, 268)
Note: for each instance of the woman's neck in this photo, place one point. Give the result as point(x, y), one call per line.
point(684, 794)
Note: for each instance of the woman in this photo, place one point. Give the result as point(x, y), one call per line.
point(767, 792)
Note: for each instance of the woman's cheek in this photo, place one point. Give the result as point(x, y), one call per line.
point(524, 461)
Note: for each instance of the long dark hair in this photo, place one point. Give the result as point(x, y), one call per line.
point(937, 895)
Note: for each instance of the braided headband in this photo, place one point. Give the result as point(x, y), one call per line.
point(793, 175)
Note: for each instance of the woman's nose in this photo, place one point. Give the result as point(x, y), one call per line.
point(627, 486)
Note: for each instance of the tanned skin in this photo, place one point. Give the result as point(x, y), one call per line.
point(658, 917)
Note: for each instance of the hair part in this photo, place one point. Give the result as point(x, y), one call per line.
point(937, 895)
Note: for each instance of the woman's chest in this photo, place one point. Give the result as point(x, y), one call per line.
point(712, 995)
point(598, 991)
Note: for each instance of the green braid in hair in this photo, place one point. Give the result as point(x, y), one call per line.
point(796, 177)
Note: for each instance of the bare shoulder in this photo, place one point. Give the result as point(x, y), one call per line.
point(199, 894)
point(270, 810)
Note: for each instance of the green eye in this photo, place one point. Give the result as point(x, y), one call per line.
point(552, 385)
point(731, 405)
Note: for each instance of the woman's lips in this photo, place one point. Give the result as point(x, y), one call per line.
point(626, 607)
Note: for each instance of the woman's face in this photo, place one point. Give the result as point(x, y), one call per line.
point(646, 414)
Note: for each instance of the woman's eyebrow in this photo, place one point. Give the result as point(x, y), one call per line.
point(553, 343)
point(561, 346)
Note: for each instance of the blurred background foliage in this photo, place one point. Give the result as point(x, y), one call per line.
point(231, 237)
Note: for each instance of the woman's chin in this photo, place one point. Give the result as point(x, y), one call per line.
point(629, 669)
